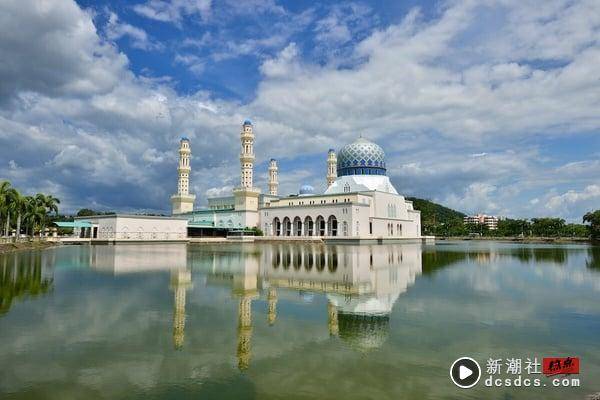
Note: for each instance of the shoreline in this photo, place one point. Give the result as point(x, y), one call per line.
point(510, 239)
point(37, 245)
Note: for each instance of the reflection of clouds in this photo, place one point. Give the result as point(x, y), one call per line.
point(113, 335)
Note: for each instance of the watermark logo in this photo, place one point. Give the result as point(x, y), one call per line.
point(517, 372)
point(465, 372)
point(560, 365)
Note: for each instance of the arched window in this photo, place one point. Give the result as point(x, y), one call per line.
point(297, 226)
point(332, 226)
point(308, 226)
point(277, 226)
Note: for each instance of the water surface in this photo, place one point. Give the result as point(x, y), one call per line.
point(289, 321)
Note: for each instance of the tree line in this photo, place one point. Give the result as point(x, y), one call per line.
point(24, 214)
point(534, 227)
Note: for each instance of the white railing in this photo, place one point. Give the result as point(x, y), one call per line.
point(142, 235)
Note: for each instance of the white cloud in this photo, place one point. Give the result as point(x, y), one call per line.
point(478, 197)
point(456, 101)
point(173, 11)
point(115, 29)
point(574, 203)
point(285, 64)
point(59, 54)
point(194, 63)
point(219, 191)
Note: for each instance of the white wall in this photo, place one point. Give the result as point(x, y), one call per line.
point(118, 227)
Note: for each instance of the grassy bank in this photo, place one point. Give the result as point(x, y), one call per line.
point(8, 247)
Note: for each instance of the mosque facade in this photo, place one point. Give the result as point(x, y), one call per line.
point(360, 202)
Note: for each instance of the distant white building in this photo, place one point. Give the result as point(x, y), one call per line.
point(490, 221)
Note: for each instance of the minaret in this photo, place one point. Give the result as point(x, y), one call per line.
point(246, 196)
point(183, 201)
point(180, 283)
point(272, 302)
point(244, 332)
point(247, 155)
point(273, 182)
point(332, 319)
point(331, 167)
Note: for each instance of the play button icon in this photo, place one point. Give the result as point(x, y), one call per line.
point(465, 372)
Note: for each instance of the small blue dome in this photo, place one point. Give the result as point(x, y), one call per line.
point(307, 189)
point(361, 158)
point(247, 122)
point(185, 138)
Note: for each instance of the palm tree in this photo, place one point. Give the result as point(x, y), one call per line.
point(49, 203)
point(19, 208)
point(9, 196)
point(4, 189)
point(34, 213)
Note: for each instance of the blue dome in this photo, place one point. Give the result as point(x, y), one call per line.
point(361, 158)
point(307, 189)
point(247, 122)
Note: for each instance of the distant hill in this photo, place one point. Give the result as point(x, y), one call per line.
point(433, 214)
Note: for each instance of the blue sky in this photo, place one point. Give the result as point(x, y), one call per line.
point(482, 106)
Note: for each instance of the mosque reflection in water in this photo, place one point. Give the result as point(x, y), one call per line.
point(361, 283)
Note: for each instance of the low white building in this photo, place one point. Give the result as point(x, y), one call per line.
point(132, 228)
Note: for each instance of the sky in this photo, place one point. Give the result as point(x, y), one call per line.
point(483, 106)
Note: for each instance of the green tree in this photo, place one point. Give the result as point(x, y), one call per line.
point(86, 212)
point(593, 219)
point(19, 207)
point(547, 226)
point(50, 204)
point(575, 230)
point(7, 198)
point(35, 213)
point(512, 227)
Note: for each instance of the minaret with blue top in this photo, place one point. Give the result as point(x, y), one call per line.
point(183, 201)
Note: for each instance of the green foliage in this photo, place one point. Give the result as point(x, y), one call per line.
point(29, 212)
point(575, 230)
point(512, 228)
point(439, 220)
point(593, 219)
point(442, 221)
point(255, 231)
point(547, 227)
point(20, 278)
point(87, 212)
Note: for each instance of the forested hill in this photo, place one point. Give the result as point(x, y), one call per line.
point(435, 214)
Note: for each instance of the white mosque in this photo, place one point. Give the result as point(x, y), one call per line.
point(359, 204)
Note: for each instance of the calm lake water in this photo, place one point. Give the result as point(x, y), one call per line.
point(282, 321)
